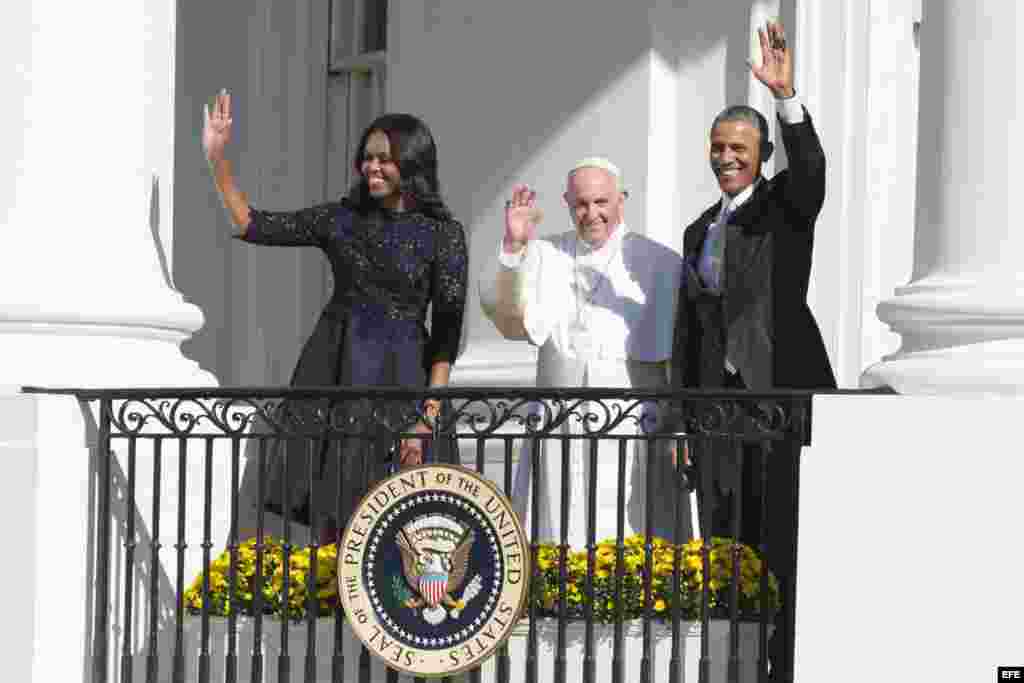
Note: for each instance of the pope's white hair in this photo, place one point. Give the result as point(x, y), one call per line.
point(602, 163)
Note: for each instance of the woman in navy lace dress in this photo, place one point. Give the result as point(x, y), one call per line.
point(394, 249)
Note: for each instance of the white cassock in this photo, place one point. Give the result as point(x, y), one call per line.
point(601, 318)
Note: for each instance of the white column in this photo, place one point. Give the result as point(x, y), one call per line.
point(758, 96)
point(890, 165)
point(664, 217)
point(962, 315)
point(86, 299)
point(87, 206)
point(831, 53)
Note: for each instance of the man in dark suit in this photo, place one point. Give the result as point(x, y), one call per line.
point(743, 320)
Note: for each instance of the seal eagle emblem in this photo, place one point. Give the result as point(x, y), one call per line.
point(433, 570)
point(435, 558)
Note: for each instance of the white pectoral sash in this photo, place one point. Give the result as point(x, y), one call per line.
point(607, 298)
point(581, 338)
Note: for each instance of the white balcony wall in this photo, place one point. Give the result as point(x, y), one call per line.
point(908, 560)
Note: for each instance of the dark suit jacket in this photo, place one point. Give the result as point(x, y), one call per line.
point(761, 320)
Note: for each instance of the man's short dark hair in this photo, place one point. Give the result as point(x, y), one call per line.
point(743, 112)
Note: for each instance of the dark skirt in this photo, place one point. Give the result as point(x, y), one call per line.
point(321, 481)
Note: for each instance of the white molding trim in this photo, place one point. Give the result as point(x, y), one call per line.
point(117, 317)
point(983, 370)
point(961, 336)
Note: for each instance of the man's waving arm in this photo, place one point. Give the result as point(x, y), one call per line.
point(805, 182)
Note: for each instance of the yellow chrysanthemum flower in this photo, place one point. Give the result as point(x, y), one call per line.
point(663, 569)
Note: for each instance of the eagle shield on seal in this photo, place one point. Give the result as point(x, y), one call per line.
point(435, 558)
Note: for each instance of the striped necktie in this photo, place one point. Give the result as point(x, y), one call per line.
point(712, 253)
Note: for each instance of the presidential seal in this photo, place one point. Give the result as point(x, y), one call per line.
point(433, 570)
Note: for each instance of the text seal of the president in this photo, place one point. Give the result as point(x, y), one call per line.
point(433, 570)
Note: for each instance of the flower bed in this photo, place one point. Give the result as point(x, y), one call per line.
point(545, 589)
point(242, 596)
point(634, 557)
point(545, 596)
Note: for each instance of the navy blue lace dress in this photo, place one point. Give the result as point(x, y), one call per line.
point(389, 267)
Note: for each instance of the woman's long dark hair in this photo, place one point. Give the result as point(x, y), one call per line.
point(412, 147)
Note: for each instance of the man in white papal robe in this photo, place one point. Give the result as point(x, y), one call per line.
point(599, 303)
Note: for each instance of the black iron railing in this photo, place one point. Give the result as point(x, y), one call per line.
point(170, 432)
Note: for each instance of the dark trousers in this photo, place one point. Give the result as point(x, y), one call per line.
point(773, 502)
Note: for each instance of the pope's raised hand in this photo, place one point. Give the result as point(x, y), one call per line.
point(521, 219)
point(217, 127)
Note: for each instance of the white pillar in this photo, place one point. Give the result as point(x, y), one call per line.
point(86, 212)
point(962, 315)
point(831, 53)
point(86, 299)
point(890, 167)
point(758, 96)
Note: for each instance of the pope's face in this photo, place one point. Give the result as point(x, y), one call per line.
point(735, 155)
point(595, 204)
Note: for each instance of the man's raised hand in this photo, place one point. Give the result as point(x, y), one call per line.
point(217, 127)
point(521, 219)
point(776, 68)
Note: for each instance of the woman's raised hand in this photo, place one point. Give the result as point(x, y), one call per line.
point(217, 127)
point(521, 218)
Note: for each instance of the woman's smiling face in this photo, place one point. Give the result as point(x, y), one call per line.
point(380, 170)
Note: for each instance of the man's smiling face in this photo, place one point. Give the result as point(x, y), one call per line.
point(595, 203)
point(735, 155)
